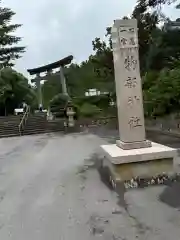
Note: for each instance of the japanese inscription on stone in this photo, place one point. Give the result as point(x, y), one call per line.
point(128, 42)
point(128, 81)
point(127, 37)
point(134, 122)
point(130, 63)
point(133, 100)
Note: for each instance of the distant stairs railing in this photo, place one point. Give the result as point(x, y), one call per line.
point(23, 120)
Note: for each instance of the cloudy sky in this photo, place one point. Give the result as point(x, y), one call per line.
point(54, 29)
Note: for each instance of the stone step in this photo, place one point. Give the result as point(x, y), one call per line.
point(15, 132)
point(9, 135)
point(11, 117)
point(43, 128)
point(38, 117)
point(27, 128)
point(9, 130)
point(37, 131)
point(9, 126)
point(46, 124)
point(17, 121)
point(37, 120)
point(12, 121)
point(35, 123)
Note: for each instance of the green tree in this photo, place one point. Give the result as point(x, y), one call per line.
point(103, 63)
point(163, 96)
point(8, 49)
point(81, 78)
point(103, 57)
point(89, 110)
point(147, 26)
point(164, 51)
point(155, 3)
point(51, 88)
point(14, 89)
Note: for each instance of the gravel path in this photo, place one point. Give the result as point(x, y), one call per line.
point(50, 189)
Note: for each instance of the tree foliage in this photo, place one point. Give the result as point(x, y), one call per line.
point(103, 62)
point(50, 89)
point(154, 3)
point(81, 78)
point(9, 51)
point(147, 26)
point(89, 110)
point(14, 89)
point(163, 97)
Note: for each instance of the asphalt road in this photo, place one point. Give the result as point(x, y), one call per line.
point(50, 189)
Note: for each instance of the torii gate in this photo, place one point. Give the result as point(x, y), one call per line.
point(48, 69)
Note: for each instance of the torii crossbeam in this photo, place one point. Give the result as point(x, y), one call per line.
point(47, 69)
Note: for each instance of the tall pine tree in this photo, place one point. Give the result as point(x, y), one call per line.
point(154, 3)
point(9, 50)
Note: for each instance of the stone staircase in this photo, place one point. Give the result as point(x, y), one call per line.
point(35, 124)
point(9, 126)
point(38, 123)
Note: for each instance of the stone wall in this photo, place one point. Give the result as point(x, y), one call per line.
point(167, 123)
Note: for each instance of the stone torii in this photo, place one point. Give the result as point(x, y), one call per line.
point(48, 70)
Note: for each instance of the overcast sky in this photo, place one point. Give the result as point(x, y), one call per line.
point(53, 29)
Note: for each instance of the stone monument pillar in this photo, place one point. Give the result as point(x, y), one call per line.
point(63, 81)
point(132, 156)
point(128, 85)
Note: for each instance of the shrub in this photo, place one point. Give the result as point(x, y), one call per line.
point(101, 101)
point(89, 110)
point(58, 104)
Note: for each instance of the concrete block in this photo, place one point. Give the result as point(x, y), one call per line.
point(144, 162)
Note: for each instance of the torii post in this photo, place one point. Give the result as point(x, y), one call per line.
point(48, 69)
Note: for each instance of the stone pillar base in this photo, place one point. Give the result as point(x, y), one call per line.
point(148, 169)
point(145, 162)
point(133, 145)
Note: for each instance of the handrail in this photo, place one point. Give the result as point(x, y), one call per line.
point(24, 119)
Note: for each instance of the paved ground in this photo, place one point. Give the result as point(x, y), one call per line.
point(50, 189)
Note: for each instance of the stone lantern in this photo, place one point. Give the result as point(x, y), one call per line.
point(70, 114)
